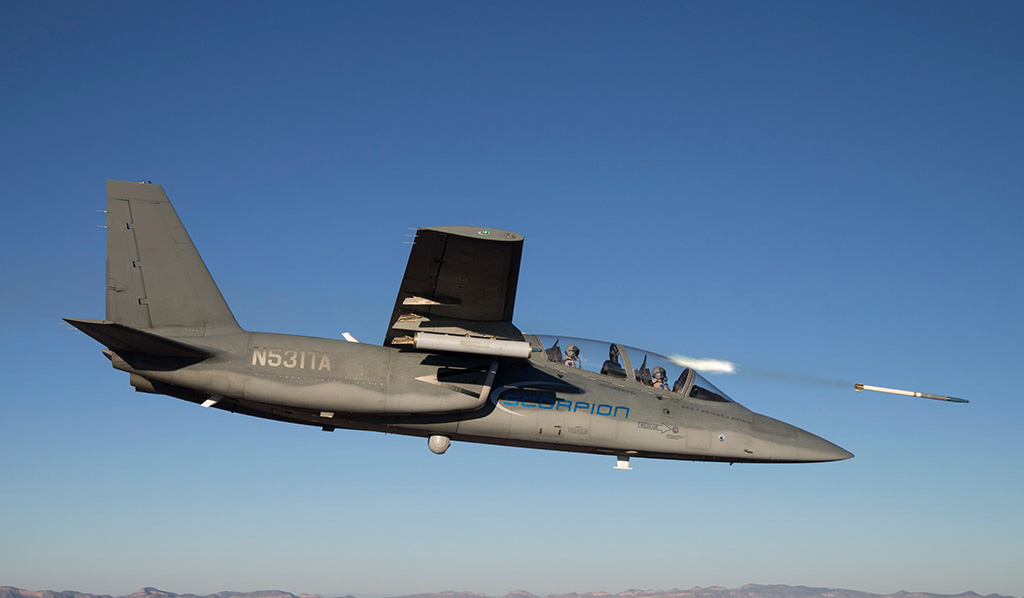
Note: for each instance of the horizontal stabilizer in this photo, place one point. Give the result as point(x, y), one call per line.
point(119, 337)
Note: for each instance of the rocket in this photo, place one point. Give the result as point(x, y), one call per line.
point(908, 393)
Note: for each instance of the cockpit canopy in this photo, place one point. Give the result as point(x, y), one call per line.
point(629, 363)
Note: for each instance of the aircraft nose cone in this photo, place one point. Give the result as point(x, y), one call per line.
point(790, 444)
point(816, 448)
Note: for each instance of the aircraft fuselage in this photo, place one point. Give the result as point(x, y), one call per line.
point(532, 403)
point(452, 366)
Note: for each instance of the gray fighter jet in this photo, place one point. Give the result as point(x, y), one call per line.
point(452, 367)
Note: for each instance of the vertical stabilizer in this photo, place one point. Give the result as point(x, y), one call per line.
point(155, 277)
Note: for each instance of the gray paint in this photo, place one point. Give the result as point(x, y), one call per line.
point(169, 328)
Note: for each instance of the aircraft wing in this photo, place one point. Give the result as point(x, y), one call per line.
point(459, 280)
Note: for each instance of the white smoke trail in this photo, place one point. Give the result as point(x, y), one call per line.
point(793, 377)
point(721, 366)
point(711, 366)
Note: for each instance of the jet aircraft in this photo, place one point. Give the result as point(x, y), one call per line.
point(453, 366)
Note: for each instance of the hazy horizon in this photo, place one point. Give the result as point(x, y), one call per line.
point(519, 591)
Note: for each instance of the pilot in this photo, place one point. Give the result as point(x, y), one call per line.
point(660, 378)
point(572, 356)
point(612, 367)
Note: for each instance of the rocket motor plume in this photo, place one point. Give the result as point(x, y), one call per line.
point(721, 366)
point(711, 366)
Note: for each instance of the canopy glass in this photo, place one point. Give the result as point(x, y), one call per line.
point(629, 363)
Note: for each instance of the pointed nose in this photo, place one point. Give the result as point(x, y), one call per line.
point(789, 443)
point(813, 448)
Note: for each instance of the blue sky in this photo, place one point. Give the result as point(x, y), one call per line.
point(831, 190)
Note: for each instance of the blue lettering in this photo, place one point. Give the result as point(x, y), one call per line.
point(604, 410)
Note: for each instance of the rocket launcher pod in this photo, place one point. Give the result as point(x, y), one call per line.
point(467, 344)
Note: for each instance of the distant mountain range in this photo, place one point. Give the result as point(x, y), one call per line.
point(747, 591)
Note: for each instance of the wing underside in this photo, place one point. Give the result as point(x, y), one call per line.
point(459, 280)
